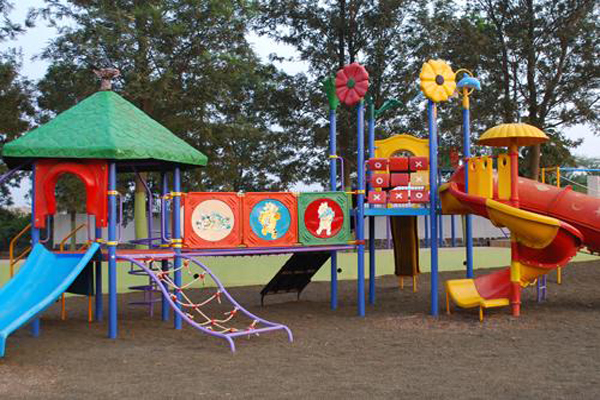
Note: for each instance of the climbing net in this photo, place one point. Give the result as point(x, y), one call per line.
point(197, 311)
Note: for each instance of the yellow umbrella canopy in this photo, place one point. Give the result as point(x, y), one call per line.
point(507, 134)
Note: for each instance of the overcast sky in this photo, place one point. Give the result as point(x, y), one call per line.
point(32, 42)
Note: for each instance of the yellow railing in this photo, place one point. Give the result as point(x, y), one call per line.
point(14, 259)
point(70, 235)
point(11, 250)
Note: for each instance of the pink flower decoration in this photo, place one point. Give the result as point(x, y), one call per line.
point(351, 83)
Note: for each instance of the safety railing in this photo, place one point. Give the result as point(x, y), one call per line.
point(14, 259)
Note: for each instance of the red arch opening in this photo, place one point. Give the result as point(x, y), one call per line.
point(93, 174)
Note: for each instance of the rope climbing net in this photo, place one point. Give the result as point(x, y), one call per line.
point(181, 295)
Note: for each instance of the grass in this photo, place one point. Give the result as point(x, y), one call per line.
point(258, 270)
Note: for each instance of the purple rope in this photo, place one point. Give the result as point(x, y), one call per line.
point(271, 326)
point(233, 301)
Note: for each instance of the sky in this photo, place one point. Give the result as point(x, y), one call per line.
point(34, 40)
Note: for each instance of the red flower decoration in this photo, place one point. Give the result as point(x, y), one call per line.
point(351, 83)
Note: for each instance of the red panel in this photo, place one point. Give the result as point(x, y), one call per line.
point(93, 174)
point(400, 179)
point(270, 219)
point(377, 164)
point(419, 196)
point(380, 180)
point(419, 163)
point(399, 164)
point(399, 196)
point(377, 197)
point(212, 220)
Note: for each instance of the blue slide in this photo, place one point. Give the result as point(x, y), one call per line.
point(38, 284)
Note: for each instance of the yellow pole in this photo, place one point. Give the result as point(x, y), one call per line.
point(543, 175)
point(557, 176)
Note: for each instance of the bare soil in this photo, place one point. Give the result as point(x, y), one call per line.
point(552, 351)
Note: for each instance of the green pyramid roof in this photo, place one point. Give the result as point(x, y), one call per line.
point(104, 126)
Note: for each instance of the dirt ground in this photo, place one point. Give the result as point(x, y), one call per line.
point(551, 352)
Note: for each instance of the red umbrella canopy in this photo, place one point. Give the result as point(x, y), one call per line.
point(352, 83)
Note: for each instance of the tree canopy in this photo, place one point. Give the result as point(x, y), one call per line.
point(190, 66)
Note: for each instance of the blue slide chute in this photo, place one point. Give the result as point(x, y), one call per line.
point(38, 284)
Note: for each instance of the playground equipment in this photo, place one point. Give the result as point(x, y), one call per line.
point(100, 136)
point(548, 225)
point(105, 134)
point(40, 281)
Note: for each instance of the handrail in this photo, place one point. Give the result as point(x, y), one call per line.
point(11, 250)
point(73, 232)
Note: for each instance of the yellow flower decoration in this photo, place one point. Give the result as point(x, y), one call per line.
point(437, 80)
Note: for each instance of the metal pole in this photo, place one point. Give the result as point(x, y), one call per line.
point(177, 239)
point(35, 239)
point(433, 175)
point(164, 235)
point(333, 186)
point(98, 265)
point(360, 198)
point(112, 250)
point(467, 154)
point(372, 261)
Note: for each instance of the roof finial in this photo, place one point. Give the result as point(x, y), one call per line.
point(107, 75)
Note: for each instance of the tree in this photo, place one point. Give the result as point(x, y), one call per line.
point(330, 34)
point(16, 109)
point(546, 71)
point(187, 64)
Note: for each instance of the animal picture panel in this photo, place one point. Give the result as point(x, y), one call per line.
point(270, 219)
point(212, 220)
point(324, 218)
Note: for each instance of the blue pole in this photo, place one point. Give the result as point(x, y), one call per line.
point(35, 239)
point(372, 261)
point(112, 251)
point(468, 217)
point(333, 185)
point(433, 175)
point(98, 264)
point(164, 226)
point(177, 238)
point(360, 209)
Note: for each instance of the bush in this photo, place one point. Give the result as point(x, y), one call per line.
point(11, 223)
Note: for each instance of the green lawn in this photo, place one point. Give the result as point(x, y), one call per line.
point(258, 270)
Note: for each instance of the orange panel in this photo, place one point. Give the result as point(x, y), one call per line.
point(270, 219)
point(212, 220)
